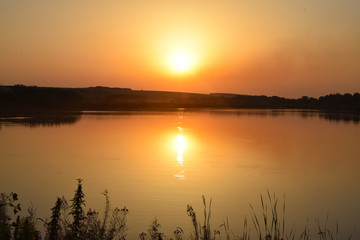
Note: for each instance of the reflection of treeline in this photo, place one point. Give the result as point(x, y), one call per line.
point(341, 117)
point(20, 97)
point(50, 120)
point(337, 116)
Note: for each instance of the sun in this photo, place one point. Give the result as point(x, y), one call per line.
point(181, 61)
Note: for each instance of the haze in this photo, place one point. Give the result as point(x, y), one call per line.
point(284, 48)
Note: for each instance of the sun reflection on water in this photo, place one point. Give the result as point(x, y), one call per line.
point(180, 145)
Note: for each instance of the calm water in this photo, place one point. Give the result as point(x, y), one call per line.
point(156, 163)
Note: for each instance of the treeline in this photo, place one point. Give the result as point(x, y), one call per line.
point(32, 98)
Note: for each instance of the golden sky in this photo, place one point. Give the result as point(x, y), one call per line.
point(285, 48)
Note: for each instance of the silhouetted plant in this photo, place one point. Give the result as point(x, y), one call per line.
point(106, 212)
point(77, 210)
point(202, 232)
point(245, 232)
point(142, 236)
point(118, 228)
point(65, 210)
point(227, 230)
point(178, 233)
point(325, 233)
point(54, 227)
point(274, 225)
point(25, 228)
point(91, 226)
point(192, 214)
point(207, 215)
point(6, 226)
point(154, 231)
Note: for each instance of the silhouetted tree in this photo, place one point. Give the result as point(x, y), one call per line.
point(77, 211)
point(54, 228)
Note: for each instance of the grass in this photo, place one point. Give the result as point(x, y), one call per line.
point(70, 221)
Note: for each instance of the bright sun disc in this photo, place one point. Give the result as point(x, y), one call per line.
point(181, 61)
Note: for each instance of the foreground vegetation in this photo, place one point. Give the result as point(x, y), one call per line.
point(70, 221)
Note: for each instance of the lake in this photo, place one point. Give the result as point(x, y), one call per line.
point(155, 163)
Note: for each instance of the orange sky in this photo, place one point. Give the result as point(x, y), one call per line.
point(284, 48)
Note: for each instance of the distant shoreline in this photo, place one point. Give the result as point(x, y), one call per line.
point(20, 98)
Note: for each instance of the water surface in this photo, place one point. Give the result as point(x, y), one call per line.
point(156, 163)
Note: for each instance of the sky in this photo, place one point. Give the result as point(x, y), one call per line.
point(259, 47)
